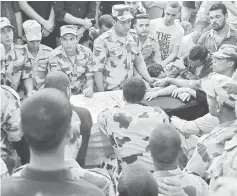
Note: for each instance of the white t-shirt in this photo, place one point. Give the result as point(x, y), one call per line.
point(186, 44)
point(167, 36)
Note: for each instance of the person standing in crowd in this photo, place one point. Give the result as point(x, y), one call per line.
point(136, 180)
point(220, 33)
point(37, 53)
point(165, 147)
point(168, 32)
point(60, 81)
point(75, 60)
point(189, 12)
point(117, 53)
point(43, 13)
point(155, 9)
point(39, 114)
point(11, 10)
point(131, 125)
point(149, 47)
point(221, 104)
point(15, 70)
point(80, 13)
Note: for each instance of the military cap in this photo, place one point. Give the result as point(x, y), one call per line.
point(226, 51)
point(4, 22)
point(219, 87)
point(121, 12)
point(32, 30)
point(66, 29)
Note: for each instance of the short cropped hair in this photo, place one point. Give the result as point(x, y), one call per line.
point(46, 119)
point(219, 6)
point(140, 16)
point(198, 53)
point(155, 70)
point(134, 90)
point(174, 4)
point(106, 20)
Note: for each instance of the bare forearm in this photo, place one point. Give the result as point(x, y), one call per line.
point(52, 15)
point(19, 24)
point(169, 59)
point(29, 11)
point(89, 82)
point(192, 92)
point(70, 19)
point(167, 90)
point(142, 70)
point(178, 82)
point(28, 83)
point(99, 81)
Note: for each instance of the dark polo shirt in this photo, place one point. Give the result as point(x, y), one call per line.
point(33, 182)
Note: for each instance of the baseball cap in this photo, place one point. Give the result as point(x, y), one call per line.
point(72, 29)
point(4, 22)
point(226, 51)
point(221, 88)
point(32, 30)
point(121, 12)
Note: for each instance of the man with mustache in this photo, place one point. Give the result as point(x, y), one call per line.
point(220, 33)
point(149, 47)
point(117, 53)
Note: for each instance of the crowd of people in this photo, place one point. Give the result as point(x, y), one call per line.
point(51, 51)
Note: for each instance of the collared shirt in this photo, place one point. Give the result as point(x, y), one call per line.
point(151, 51)
point(192, 185)
point(130, 128)
point(80, 71)
point(15, 67)
point(208, 40)
point(207, 150)
point(38, 182)
point(10, 119)
point(116, 57)
point(39, 64)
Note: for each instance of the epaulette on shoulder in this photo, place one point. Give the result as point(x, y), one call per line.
point(10, 90)
point(106, 34)
point(44, 47)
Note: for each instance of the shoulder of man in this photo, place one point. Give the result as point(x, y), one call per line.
point(57, 51)
point(105, 35)
point(133, 33)
point(46, 48)
point(83, 49)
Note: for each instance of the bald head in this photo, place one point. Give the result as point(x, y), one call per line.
point(58, 80)
point(136, 180)
point(165, 144)
point(45, 119)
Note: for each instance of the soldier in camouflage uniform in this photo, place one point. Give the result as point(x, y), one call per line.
point(15, 70)
point(165, 147)
point(10, 119)
point(149, 47)
point(117, 53)
point(75, 60)
point(129, 127)
point(221, 104)
point(38, 54)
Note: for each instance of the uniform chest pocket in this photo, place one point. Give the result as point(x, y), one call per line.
point(116, 52)
point(42, 66)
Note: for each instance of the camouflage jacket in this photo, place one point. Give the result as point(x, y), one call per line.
point(10, 119)
point(206, 151)
point(151, 51)
point(15, 67)
point(39, 64)
point(224, 186)
point(129, 128)
point(226, 164)
point(79, 72)
point(116, 57)
point(192, 184)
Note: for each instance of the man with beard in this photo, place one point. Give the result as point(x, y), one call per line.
point(149, 47)
point(220, 33)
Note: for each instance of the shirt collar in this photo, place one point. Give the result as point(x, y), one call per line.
point(38, 54)
point(229, 33)
point(38, 175)
point(11, 54)
point(64, 53)
point(167, 173)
